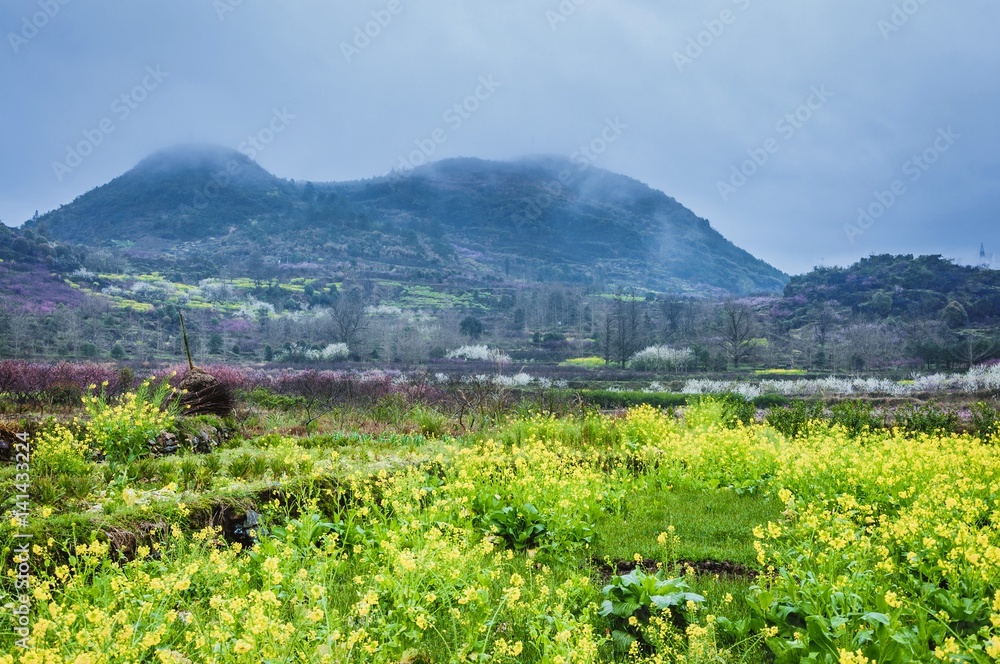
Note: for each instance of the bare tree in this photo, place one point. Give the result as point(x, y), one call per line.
point(20, 334)
point(672, 309)
point(628, 325)
point(740, 331)
point(348, 320)
point(971, 349)
point(867, 346)
point(825, 317)
point(607, 337)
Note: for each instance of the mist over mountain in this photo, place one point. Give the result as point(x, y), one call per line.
point(538, 218)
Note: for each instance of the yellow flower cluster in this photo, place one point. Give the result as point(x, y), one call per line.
point(121, 430)
point(58, 450)
point(884, 535)
point(882, 518)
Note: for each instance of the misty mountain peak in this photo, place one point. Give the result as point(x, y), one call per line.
point(558, 219)
point(190, 156)
point(202, 163)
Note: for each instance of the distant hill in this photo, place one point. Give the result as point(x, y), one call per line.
point(904, 287)
point(539, 219)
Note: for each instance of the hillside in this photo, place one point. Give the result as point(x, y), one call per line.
point(537, 219)
point(902, 287)
point(29, 268)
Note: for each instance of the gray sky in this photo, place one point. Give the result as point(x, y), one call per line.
point(701, 87)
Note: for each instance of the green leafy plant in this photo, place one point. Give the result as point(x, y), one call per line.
point(737, 410)
point(58, 450)
point(630, 600)
point(520, 526)
point(390, 410)
point(431, 422)
point(247, 466)
point(265, 398)
point(925, 418)
point(811, 620)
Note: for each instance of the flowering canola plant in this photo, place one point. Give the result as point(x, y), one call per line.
point(479, 550)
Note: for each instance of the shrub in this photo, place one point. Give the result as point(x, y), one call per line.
point(771, 401)
point(985, 420)
point(64, 394)
point(331, 352)
point(519, 526)
point(662, 358)
point(795, 419)
point(737, 410)
point(586, 362)
point(298, 352)
point(926, 418)
point(391, 409)
point(480, 353)
point(21, 377)
point(610, 399)
point(121, 430)
point(856, 416)
point(265, 398)
point(471, 327)
point(432, 423)
point(780, 372)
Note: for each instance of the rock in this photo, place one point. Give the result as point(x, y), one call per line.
point(164, 444)
point(245, 532)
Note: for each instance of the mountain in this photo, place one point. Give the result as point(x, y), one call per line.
point(540, 218)
point(183, 193)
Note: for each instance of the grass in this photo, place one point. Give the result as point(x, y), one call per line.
point(711, 524)
point(781, 372)
point(426, 297)
point(585, 362)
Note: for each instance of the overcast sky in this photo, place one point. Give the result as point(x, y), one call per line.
point(833, 100)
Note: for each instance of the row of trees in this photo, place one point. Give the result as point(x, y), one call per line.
point(826, 337)
point(628, 326)
point(547, 322)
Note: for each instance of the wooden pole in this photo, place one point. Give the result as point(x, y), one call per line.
point(187, 348)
